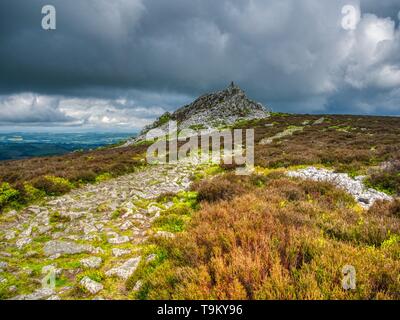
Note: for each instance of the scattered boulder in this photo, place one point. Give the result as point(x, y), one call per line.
point(125, 270)
point(53, 247)
point(153, 209)
point(12, 288)
point(90, 285)
point(27, 232)
point(9, 235)
point(138, 285)
point(119, 240)
point(22, 242)
point(151, 257)
point(126, 225)
point(98, 250)
point(92, 262)
point(139, 216)
point(120, 252)
point(5, 254)
point(43, 229)
point(31, 254)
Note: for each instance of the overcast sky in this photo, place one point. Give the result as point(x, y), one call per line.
point(119, 64)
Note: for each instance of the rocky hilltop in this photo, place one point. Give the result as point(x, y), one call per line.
point(212, 111)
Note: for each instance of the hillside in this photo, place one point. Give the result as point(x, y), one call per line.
point(114, 227)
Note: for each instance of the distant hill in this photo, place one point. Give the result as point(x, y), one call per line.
point(211, 111)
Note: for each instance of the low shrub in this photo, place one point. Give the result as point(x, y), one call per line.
point(103, 177)
point(7, 194)
point(31, 194)
point(53, 186)
point(217, 189)
point(284, 240)
point(388, 182)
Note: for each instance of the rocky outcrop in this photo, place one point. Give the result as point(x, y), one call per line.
point(211, 111)
point(366, 197)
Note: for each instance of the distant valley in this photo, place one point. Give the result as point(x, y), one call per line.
point(20, 145)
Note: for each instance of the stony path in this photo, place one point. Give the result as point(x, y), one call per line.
point(96, 228)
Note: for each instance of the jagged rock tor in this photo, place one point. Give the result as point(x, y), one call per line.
point(211, 111)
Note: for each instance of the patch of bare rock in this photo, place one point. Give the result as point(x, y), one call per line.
point(366, 197)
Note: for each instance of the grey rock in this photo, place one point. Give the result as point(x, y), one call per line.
point(89, 228)
point(125, 226)
point(138, 285)
point(120, 252)
point(12, 288)
point(366, 197)
point(97, 250)
point(39, 294)
point(34, 209)
point(30, 254)
point(9, 235)
point(27, 232)
point(91, 237)
point(153, 209)
point(92, 262)
point(5, 254)
point(125, 270)
point(11, 213)
point(119, 240)
point(27, 271)
point(90, 285)
point(44, 229)
point(52, 248)
point(139, 216)
point(151, 257)
point(22, 242)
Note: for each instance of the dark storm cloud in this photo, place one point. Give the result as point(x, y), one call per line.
point(386, 8)
point(133, 59)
